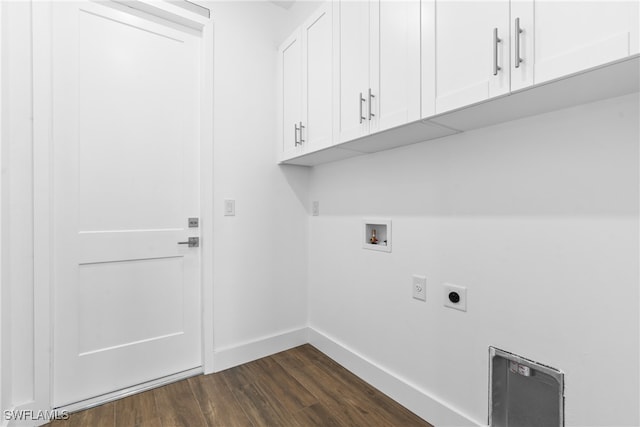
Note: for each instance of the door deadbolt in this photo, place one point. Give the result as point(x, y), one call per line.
point(193, 242)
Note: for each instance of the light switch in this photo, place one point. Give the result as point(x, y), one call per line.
point(229, 207)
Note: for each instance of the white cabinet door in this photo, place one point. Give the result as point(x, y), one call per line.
point(472, 52)
point(428, 57)
point(394, 63)
point(317, 105)
point(290, 110)
point(571, 36)
point(352, 120)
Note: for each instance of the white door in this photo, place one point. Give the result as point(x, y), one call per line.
point(317, 107)
point(353, 62)
point(571, 36)
point(395, 63)
point(291, 86)
point(472, 52)
point(125, 141)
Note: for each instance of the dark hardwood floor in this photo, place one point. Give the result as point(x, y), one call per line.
point(298, 387)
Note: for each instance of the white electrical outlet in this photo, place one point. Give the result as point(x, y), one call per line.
point(229, 207)
point(419, 286)
point(455, 296)
point(315, 208)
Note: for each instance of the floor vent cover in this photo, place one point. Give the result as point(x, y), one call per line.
point(523, 393)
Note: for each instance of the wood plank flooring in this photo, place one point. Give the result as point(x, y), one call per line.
point(299, 387)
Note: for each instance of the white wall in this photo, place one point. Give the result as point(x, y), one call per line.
point(260, 259)
point(17, 228)
point(20, 200)
point(538, 218)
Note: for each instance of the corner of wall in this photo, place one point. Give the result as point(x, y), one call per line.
point(262, 347)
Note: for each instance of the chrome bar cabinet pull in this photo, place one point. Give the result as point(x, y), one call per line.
point(295, 134)
point(496, 40)
point(517, 53)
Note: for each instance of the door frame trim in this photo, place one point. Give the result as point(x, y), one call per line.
point(42, 55)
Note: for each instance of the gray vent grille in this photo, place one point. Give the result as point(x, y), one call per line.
point(524, 393)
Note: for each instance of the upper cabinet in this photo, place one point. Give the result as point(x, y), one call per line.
point(306, 81)
point(428, 57)
point(352, 80)
point(571, 36)
point(290, 97)
point(378, 72)
point(395, 65)
point(317, 78)
point(472, 52)
point(484, 49)
point(367, 75)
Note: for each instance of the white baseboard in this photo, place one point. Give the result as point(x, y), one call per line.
point(433, 410)
point(247, 352)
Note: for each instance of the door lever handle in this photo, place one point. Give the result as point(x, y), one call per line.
point(193, 242)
